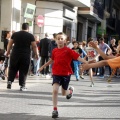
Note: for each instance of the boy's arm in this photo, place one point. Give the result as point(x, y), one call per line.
point(82, 60)
point(104, 56)
point(46, 64)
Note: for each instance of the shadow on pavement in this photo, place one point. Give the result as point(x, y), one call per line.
point(24, 116)
point(78, 98)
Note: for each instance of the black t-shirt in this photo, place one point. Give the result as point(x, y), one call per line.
point(78, 50)
point(113, 50)
point(22, 42)
point(5, 44)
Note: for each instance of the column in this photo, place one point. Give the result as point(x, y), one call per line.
point(10, 16)
point(94, 30)
point(86, 29)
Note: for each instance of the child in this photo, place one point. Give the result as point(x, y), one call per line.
point(91, 54)
point(112, 61)
point(76, 62)
point(62, 57)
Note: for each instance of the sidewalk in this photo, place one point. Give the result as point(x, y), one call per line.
point(101, 102)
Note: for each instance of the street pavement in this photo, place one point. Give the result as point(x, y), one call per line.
point(101, 102)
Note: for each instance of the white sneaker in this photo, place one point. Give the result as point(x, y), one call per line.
point(71, 94)
point(23, 88)
point(42, 75)
point(48, 76)
point(92, 85)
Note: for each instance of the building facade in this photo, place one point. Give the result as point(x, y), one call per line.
point(79, 19)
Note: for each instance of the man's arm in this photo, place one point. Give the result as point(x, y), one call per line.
point(104, 56)
point(9, 47)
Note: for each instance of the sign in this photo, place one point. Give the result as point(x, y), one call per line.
point(40, 21)
point(29, 11)
point(69, 13)
point(101, 31)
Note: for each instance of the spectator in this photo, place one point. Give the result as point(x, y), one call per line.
point(36, 62)
point(20, 55)
point(44, 53)
point(104, 47)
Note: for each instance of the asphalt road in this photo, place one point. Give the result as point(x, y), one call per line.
point(101, 102)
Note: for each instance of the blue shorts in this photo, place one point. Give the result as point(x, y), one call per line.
point(62, 80)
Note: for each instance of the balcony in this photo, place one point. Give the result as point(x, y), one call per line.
point(75, 3)
point(90, 13)
point(94, 13)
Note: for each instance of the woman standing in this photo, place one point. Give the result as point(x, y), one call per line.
point(6, 41)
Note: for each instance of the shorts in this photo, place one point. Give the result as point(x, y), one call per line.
point(114, 63)
point(62, 81)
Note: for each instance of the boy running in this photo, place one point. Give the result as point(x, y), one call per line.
point(62, 57)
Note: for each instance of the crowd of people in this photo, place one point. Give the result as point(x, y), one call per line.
point(59, 59)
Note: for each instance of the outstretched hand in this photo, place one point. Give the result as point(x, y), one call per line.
point(92, 61)
point(93, 44)
point(87, 65)
point(84, 67)
point(40, 69)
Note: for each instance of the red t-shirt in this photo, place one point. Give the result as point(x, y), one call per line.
point(62, 61)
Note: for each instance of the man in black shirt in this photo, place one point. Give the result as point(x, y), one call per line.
point(20, 55)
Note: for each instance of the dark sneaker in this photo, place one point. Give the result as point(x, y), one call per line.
point(71, 94)
point(23, 88)
point(3, 77)
point(9, 85)
point(55, 114)
point(77, 79)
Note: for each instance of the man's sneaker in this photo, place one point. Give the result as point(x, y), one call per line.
point(42, 76)
point(9, 85)
point(77, 79)
point(101, 76)
point(71, 94)
point(81, 77)
point(48, 76)
point(23, 88)
point(32, 74)
point(55, 114)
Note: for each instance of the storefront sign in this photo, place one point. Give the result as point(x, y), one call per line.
point(29, 11)
point(101, 31)
point(69, 14)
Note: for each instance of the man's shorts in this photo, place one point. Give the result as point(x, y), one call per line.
point(62, 81)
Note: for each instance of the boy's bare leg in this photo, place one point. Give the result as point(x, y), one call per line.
point(94, 65)
point(55, 94)
point(65, 92)
point(68, 93)
point(91, 76)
